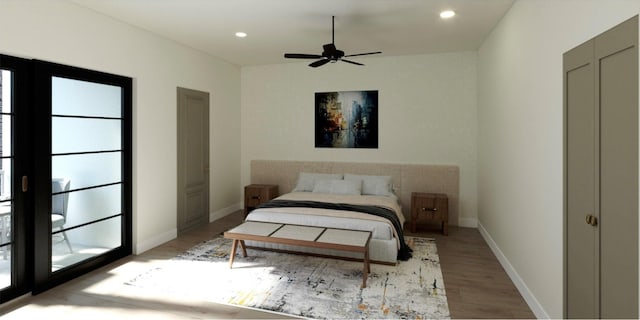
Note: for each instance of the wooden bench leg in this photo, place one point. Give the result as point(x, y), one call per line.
point(244, 248)
point(366, 268)
point(232, 255)
point(234, 247)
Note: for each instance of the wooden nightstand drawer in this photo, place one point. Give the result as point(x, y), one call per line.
point(432, 207)
point(253, 197)
point(257, 194)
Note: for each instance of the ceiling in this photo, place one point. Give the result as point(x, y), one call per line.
point(395, 27)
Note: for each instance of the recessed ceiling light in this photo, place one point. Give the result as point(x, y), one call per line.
point(447, 14)
point(241, 34)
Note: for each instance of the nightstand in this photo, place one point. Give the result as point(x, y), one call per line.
point(432, 207)
point(257, 194)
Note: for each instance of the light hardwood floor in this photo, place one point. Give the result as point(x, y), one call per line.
point(476, 285)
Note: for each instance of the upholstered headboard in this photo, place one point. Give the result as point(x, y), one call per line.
point(406, 178)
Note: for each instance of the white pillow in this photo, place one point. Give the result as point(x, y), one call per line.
point(373, 185)
point(307, 180)
point(352, 187)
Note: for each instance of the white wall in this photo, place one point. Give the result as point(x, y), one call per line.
point(61, 32)
point(520, 136)
point(427, 112)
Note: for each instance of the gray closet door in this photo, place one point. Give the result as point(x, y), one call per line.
point(616, 55)
point(580, 182)
point(601, 175)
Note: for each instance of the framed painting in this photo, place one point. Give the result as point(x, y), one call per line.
point(346, 119)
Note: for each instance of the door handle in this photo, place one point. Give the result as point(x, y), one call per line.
point(592, 220)
point(25, 183)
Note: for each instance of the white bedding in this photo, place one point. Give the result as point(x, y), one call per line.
point(384, 236)
point(379, 230)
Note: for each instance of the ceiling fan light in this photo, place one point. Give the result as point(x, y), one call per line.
point(447, 14)
point(241, 34)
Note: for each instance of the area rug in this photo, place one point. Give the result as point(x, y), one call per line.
point(306, 286)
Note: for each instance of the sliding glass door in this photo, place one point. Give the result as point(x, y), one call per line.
point(15, 164)
point(65, 173)
point(83, 199)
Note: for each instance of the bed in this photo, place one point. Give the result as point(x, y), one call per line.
point(296, 181)
point(349, 201)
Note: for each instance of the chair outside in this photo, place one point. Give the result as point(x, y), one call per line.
point(59, 204)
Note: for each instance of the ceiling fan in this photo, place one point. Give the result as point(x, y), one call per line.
point(329, 52)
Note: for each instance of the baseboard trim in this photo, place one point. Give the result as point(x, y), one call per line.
point(215, 215)
point(468, 222)
point(528, 296)
point(172, 234)
point(156, 241)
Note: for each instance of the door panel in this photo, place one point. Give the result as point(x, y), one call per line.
point(580, 181)
point(7, 229)
point(618, 96)
point(193, 159)
point(601, 154)
point(16, 266)
point(83, 192)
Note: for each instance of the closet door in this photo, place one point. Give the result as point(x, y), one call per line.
point(616, 56)
point(601, 175)
point(581, 194)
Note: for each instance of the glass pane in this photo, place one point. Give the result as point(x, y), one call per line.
point(5, 139)
point(6, 165)
point(6, 162)
point(5, 266)
point(80, 124)
point(87, 170)
point(82, 98)
point(5, 244)
point(85, 135)
point(80, 207)
point(5, 82)
point(74, 246)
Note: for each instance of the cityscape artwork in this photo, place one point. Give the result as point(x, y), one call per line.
point(346, 119)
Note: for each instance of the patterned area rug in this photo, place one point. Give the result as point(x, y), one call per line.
point(305, 286)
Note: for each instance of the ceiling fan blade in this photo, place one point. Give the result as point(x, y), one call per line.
point(363, 54)
point(302, 56)
point(318, 63)
point(353, 62)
